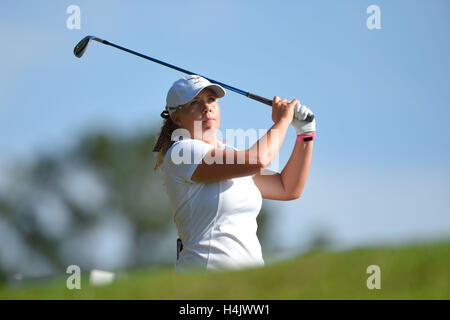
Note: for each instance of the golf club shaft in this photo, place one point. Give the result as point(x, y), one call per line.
point(247, 94)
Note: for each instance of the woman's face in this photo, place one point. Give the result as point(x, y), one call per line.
point(202, 112)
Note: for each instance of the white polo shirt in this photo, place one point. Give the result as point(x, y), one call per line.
point(216, 221)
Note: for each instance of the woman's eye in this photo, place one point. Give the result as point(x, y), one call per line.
point(211, 99)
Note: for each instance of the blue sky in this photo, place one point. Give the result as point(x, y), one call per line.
point(380, 170)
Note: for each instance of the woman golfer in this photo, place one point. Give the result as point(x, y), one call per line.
point(215, 191)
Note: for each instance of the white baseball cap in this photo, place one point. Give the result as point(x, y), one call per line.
point(186, 89)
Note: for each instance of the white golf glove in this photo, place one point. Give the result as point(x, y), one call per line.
point(301, 126)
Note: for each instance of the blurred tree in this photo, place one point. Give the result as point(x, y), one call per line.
point(321, 239)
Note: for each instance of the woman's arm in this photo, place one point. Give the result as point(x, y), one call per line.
point(260, 155)
point(229, 164)
point(290, 183)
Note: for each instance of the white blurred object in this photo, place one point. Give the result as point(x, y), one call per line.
point(101, 278)
point(18, 276)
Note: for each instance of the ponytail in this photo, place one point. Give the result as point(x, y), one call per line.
point(164, 141)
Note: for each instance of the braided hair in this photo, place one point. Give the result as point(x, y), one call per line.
point(164, 141)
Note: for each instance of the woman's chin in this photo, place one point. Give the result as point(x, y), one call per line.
point(209, 125)
point(210, 130)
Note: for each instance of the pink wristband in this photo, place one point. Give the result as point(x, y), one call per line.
point(306, 138)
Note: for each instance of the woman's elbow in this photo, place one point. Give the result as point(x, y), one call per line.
point(294, 196)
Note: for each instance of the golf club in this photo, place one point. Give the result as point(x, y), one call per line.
point(81, 47)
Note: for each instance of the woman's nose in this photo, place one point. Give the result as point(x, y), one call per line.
point(206, 106)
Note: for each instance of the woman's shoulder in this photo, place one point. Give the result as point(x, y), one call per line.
point(183, 142)
point(184, 146)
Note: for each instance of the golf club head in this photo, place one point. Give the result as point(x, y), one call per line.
point(81, 46)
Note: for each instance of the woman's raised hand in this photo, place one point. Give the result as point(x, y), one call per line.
point(300, 124)
point(283, 109)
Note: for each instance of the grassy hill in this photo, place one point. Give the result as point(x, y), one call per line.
point(414, 272)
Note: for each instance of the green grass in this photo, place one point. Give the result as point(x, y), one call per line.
point(414, 272)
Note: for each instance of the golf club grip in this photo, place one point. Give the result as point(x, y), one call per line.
point(260, 99)
point(269, 103)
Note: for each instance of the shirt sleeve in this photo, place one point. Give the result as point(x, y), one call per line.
point(183, 157)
